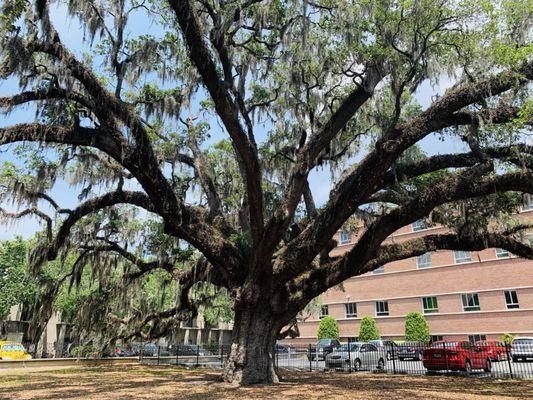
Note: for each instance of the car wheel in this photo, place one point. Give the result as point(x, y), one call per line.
point(488, 365)
point(381, 364)
point(357, 365)
point(468, 367)
point(515, 359)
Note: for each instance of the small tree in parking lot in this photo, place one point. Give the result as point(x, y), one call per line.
point(368, 330)
point(328, 328)
point(507, 338)
point(416, 327)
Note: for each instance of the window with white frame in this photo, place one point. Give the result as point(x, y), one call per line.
point(424, 260)
point(379, 270)
point(511, 299)
point(470, 302)
point(476, 338)
point(345, 237)
point(528, 203)
point(430, 305)
point(419, 225)
point(382, 308)
point(350, 310)
point(324, 310)
point(502, 253)
point(461, 256)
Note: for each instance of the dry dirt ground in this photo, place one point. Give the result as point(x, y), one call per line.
point(156, 383)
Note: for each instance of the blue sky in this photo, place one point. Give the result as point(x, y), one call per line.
point(72, 35)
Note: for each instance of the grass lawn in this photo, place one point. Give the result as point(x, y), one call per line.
point(154, 383)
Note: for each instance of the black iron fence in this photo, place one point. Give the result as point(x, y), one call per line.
point(482, 359)
point(490, 359)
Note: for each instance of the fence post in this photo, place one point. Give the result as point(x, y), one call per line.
point(158, 353)
point(392, 345)
point(141, 349)
point(177, 353)
point(509, 360)
point(197, 355)
point(222, 356)
point(349, 357)
point(445, 357)
point(310, 359)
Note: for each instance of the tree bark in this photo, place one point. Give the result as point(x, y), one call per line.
point(251, 358)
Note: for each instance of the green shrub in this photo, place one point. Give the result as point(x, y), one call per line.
point(368, 330)
point(328, 328)
point(416, 327)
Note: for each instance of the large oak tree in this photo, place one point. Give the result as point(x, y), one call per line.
point(197, 124)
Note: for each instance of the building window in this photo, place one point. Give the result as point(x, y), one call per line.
point(424, 260)
point(379, 270)
point(345, 237)
point(430, 305)
point(502, 253)
point(511, 299)
point(476, 338)
point(436, 338)
point(350, 310)
point(470, 302)
point(419, 225)
point(382, 308)
point(324, 310)
point(528, 202)
point(461, 256)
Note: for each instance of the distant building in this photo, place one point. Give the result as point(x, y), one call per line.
point(463, 295)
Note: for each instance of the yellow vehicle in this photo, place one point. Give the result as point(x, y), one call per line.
point(13, 351)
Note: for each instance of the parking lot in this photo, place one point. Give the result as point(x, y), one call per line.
point(299, 361)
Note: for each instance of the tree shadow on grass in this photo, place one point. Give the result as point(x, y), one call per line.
point(160, 383)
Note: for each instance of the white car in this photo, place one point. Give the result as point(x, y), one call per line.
point(522, 348)
point(356, 356)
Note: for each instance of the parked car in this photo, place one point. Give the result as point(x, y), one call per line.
point(357, 356)
point(148, 349)
point(456, 356)
point(280, 348)
point(13, 351)
point(191, 350)
point(385, 346)
point(410, 350)
point(495, 349)
point(322, 348)
point(522, 348)
point(123, 352)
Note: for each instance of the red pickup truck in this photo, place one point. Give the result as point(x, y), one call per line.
point(456, 356)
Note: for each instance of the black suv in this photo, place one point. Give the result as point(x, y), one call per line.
point(323, 347)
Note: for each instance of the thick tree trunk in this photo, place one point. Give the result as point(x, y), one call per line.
point(251, 359)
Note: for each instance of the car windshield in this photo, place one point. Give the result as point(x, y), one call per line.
point(324, 342)
point(12, 347)
point(352, 346)
point(523, 341)
point(443, 344)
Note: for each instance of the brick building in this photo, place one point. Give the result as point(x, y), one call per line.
point(463, 295)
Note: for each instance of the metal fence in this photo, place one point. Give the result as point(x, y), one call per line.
point(481, 359)
point(490, 359)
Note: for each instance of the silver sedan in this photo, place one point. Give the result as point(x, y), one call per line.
point(356, 356)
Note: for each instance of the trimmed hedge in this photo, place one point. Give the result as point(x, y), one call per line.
point(328, 328)
point(416, 327)
point(368, 330)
